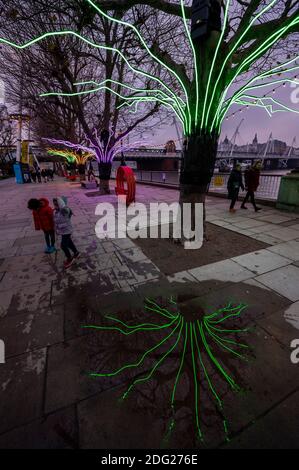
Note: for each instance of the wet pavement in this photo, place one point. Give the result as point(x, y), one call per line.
point(48, 395)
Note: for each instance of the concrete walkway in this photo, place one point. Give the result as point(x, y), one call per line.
point(47, 398)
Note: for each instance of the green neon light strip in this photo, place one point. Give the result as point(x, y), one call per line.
point(239, 94)
point(227, 377)
point(213, 65)
point(255, 104)
point(92, 44)
point(62, 154)
point(254, 56)
point(143, 379)
point(137, 364)
point(115, 328)
point(222, 330)
point(228, 308)
point(263, 85)
point(180, 366)
point(159, 61)
point(139, 90)
point(267, 74)
point(275, 101)
point(70, 156)
point(143, 325)
point(276, 71)
point(226, 340)
point(219, 341)
point(143, 99)
point(259, 51)
point(195, 385)
point(238, 313)
point(194, 59)
point(219, 401)
point(264, 10)
point(258, 104)
point(162, 311)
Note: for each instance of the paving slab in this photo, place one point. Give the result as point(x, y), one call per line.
point(275, 218)
point(288, 249)
point(32, 240)
point(261, 261)
point(21, 389)
point(222, 271)
point(70, 363)
point(283, 325)
point(30, 298)
point(283, 280)
point(105, 423)
point(80, 287)
point(283, 233)
point(248, 223)
point(259, 302)
point(30, 331)
point(277, 429)
point(55, 431)
point(291, 315)
point(262, 228)
point(6, 245)
point(270, 379)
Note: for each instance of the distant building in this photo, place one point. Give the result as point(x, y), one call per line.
point(255, 145)
point(170, 147)
point(226, 145)
point(279, 147)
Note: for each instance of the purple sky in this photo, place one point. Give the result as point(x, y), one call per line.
point(284, 126)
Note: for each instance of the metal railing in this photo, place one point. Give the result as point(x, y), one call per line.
point(268, 188)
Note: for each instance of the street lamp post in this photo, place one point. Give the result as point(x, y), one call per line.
point(20, 120)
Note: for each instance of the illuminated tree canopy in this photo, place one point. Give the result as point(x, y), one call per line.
point(255, 50)
point(70, 156)
point(103, 148)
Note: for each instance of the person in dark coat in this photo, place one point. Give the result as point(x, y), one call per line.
point(252, 181)
point(38, 175)
point(235, 182)
point(44, 220)
point(44, 175)
point(33, 175)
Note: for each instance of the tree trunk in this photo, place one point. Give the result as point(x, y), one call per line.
point(81, 170)
point(197, 169)
point(105, 175)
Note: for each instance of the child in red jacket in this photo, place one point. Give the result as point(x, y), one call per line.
point(44, 220)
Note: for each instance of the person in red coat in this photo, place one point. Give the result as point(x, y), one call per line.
point(44, 220)
point(252, 181)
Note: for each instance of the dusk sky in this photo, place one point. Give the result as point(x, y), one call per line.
point(283, 125)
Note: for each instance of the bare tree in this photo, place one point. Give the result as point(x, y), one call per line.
point(51, 77)
point(7, 141)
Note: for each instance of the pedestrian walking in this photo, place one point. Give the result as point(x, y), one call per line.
point(44, 220)
point(63, 227)
point(44, 175)
point(33, 175)
point(235, 183)
point(252, 181)
point(38, 175)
